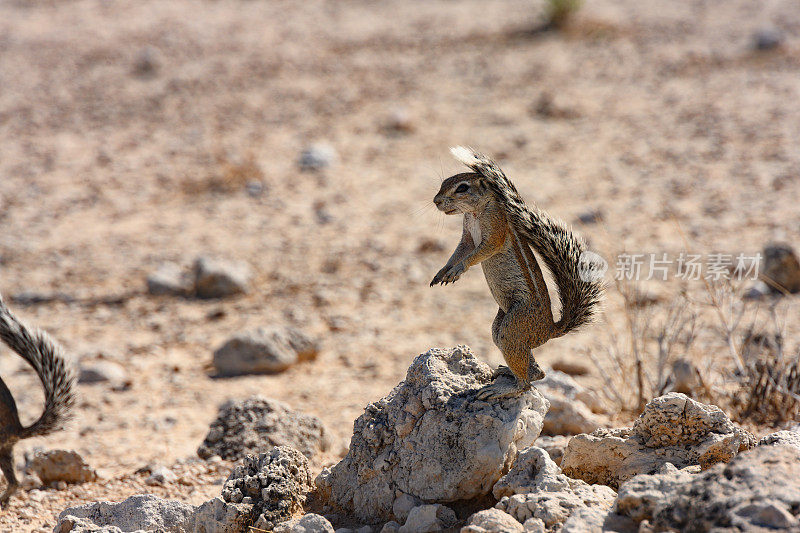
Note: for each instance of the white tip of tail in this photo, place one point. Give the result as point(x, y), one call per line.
point(463, 154)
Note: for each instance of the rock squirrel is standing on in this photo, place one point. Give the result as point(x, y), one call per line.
point(499, 232)
point(46, 358)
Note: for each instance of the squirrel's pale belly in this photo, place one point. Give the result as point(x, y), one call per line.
point(505, 279)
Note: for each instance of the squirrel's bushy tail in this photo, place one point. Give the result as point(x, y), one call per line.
point(47, 359)
point(559, 248)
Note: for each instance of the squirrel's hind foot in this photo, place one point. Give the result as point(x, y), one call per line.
point(503, 371)
point(502, 388)
point(534, 371)
point(506, 385)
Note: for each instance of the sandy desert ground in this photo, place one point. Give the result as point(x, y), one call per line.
point(659, 115)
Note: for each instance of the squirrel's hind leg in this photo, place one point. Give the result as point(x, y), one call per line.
point(7, 466)
point(511, 333)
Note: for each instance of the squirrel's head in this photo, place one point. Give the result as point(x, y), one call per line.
point(462, 193)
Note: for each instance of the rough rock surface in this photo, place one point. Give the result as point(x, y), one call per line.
point(402, 506)
point(310, 523)
point(569, 417)
point(432, 439)
point(532, 471)
point(786, 437)
point(638, 497)
point(217, 278)
point(263, 350)
point(218, 516)
point(391, 527)
point(554, 445)
point(572, 408)
point(672, 429)
point(492, 521)
point(536, 488)
point(757, 491)
point(257, 424)
point(425, 518)
point(140, 512)
point(60, 465)
point(276, 483)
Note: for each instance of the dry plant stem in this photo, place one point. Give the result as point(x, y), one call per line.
point(640, 382)
point(780, 329)
point(611, 390)
point(669, 335)
point(729, 326)
point(646, 353)
point(637, 331)
point(730, 322)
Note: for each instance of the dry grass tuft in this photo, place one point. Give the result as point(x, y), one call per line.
point(742, 367)
point(769, 385)
point(638, 363)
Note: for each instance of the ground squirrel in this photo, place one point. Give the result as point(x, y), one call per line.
point(46, 358)
point(499, 232)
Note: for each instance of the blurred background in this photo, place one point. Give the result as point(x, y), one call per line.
point(299, 145)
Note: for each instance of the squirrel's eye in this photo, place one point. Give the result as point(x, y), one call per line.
point(462, 188)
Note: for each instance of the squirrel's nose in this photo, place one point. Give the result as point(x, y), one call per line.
point(437, 200)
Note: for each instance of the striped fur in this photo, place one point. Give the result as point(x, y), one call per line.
point(559, 248)
point(48, 361)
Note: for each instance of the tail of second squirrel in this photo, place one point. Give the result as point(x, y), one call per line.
point(58, 381)
point(559, 248)
point(47, 359)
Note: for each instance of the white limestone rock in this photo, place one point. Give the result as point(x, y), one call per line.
point(536, 488)
point(431, 439)
point(140, 512)
point(672, 429)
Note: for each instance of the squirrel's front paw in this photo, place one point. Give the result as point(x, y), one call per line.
point(438, 277)
point(454, 272)
point(449, 274)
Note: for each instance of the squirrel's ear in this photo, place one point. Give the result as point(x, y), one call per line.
point(465, 155)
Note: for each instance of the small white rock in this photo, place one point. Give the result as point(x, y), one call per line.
point(318, 156)
point(102, 372)
point(161, 476)
point(427, 518)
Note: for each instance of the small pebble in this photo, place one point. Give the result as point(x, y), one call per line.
point(318, 156)
point(101, 372)
point(399, 121)
point(147, 62)
point(254, 188)
point(591, 217)
point(161, 476)
point(767, 39)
